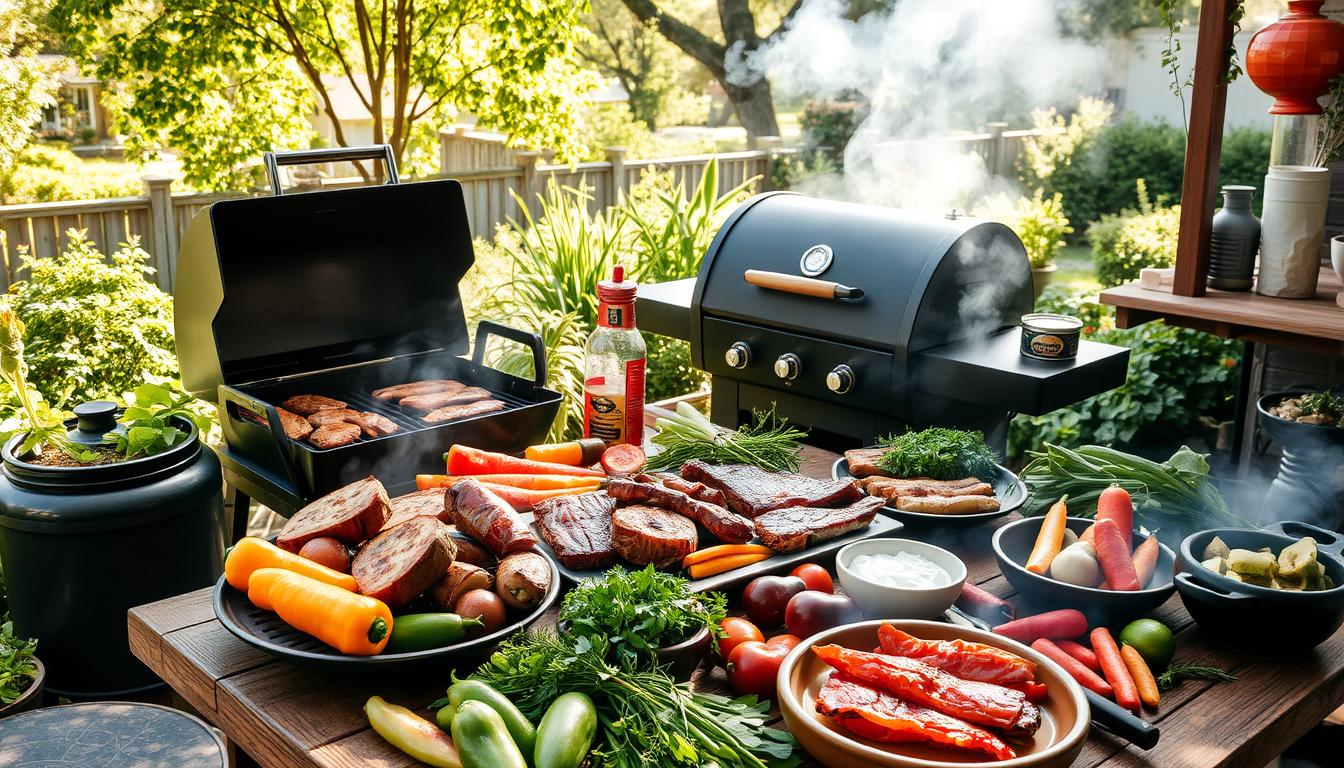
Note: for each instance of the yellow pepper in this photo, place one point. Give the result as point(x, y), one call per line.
point(351, 623)
point(251, 553)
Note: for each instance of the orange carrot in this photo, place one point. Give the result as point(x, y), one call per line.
point(1114, 668)
point(524, 499)
point(1076, 669)
point(1114, 557)
point(721, 564)
point(531, 482)
point(723, 550)
point(1080, 652)
point(465, 460)
point(1145, 560)
point(1050, 538)
point(575, 453)
point(1114, 504)
point(1143, 676)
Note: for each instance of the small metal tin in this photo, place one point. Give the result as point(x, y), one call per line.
point(1048, 336)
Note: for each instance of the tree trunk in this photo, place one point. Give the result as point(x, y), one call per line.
point(754, 107)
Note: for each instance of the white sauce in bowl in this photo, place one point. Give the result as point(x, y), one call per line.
point(903, 569)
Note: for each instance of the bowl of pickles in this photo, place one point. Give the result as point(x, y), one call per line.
point(1271, 591)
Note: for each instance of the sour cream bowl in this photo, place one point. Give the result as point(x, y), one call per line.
point(898, 578)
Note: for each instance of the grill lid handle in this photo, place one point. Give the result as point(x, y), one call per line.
point(803, 286)
point(485, 329)
point(382, 152)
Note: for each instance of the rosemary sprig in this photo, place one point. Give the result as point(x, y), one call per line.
point(1178, 672)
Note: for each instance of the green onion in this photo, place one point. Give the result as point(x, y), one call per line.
point(768, 442)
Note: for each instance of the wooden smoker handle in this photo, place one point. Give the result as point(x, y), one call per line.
point(804, 286)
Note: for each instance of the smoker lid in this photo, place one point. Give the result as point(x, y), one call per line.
point(328, 279)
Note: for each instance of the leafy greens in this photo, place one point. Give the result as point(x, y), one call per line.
point(941, 453)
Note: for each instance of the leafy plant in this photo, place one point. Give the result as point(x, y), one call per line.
point(43, 427)
point(1039, 222)
point(17, 666)
point(828, 125)
point(630, 613)
point(1330, 143)
point(938, 452)
point(1123, 245)
point(149, 421)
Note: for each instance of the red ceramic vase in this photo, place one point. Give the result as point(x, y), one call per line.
point(1295, 58)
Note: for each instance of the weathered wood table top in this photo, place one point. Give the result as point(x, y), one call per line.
point(286, 715)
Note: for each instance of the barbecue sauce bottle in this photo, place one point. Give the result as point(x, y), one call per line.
point(613, 381)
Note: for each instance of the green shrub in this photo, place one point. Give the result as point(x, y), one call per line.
point(51, 173)
point(1039, 222)
point(829, 125)
point(1122, 245)
point(1175, 376)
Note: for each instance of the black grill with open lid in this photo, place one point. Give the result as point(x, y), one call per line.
point(338, 293)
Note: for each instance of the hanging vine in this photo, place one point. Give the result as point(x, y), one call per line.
point(1172, 14)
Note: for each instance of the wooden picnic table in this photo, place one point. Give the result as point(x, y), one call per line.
point(286, 715)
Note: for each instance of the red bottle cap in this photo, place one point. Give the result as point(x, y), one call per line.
point(615, 290)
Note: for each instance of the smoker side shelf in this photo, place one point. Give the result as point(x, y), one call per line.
point(665, 308)
point(994, 373)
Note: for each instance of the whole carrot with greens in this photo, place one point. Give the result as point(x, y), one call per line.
point(351, 623)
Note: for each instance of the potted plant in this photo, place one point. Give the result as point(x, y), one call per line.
point(1041, 225)
point(21, 673)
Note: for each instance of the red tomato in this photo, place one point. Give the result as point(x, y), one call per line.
point(735, 632)
point(815, 577)
point(788, 641)
point(753, 667)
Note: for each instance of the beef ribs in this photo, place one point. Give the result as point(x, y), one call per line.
point(334, 435)
point(752, 491)
point(350, 514)
point(426, 503)
point(454, 412)
point(435, 400)
point(578, 529)
point(726, 526)
point(404, 561)
point(411, 388)
point(295, 426)
point(794, 528)
point(863, 462)
point(307, 405)
point(643, 535)
point(482, 515)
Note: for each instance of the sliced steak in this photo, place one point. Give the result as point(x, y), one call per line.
point(307, 405)
point(481, 514)
point(794, 528)
point(454, 412)
point(333, 416)
point(694, 490)
point(351, 515)
point(752, 491)
point(398, 391)
point(426, 503)
point(578, 529)
point(296, 427)
point(402, 562)
point(435, 400)
point(334, 435)
point(643, 535)
point(375, 424)
point(726, 526)
point(863, 462)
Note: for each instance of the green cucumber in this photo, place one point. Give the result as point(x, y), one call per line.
point(520, 728)
point(566, 732)
point(482, 740)
point(423, 631)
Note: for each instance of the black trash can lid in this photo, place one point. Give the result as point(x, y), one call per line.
point(109, 734)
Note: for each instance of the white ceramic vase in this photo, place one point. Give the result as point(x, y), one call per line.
point(1292, 230)
point(1337, 255)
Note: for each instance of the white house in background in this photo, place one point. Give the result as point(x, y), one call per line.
point(79, 109)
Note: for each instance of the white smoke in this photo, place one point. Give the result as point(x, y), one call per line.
point(930, 69)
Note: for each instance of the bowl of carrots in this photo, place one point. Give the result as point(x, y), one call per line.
point(1102, 567)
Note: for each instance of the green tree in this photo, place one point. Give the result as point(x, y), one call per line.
point(25, 87)
point(222, 81)
point(650, 69)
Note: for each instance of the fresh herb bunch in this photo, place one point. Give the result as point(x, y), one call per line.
point(647, 718)
point(1178, 672)
point(938, 452)
point(149, 415)
point(630, 613)
point(768, 442)
point(17, 668)
point(1325, 403)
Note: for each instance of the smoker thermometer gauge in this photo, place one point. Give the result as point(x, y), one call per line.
point(816, 260)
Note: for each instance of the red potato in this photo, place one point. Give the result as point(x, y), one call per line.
point(1115, 504)
point(1114, 557)
point(484, 605)
point(327, 551)
point(1052, 625)
point(1076, 669)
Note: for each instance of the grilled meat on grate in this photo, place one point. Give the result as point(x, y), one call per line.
point(376, 425)
point(453, 412)
point(334, 416)
point(307, 405)
point(724, 525)
point(296, 427)
point(435, 400)
point(794, 528)
point(752, 491)
point(398, 391)
point(334, 435)
point(578, 529)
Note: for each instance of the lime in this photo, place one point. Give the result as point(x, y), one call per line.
point(1152, 639)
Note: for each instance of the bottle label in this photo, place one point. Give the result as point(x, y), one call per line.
point(616, 315)
point(615, 413)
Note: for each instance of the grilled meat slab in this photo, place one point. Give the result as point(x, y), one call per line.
point(752, 491)
point(398, 391)
point(426, 503)
point(482, 515)
point(724, 525)
point(578, 529)
point(333, 416)
point(435, 400)
point(334, 435)
point(879, 716)
point(643, 535)
point(404, 561)
point(351, 515)
point(307, 405)
point(454, 412)
point(863, 462)
point(794, 528)
point(375, 424)
point(296, 427)
point(963, 658)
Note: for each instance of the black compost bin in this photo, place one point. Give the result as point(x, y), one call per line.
point(81, 545)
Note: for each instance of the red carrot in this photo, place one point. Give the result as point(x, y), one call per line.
point(1145, 561)
point(1114, 557)
point(464, 460)
point(1080, 652)
point(1076, 669)
point(1114, 668)
point(1065, 622)
point(983, 604)
point(1115, 504)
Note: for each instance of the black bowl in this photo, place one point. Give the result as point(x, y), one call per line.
point(1012, 546)
point(1260, 620)
point(1295, 433)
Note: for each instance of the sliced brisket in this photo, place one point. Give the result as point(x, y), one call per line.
point(752, 491)
point(578, 529)
point(643, 535)
point(794, 528)
point(726, 526)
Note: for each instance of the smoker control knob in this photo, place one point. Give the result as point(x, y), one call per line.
point(738, 355)
point(787, 366)
point(840, 380)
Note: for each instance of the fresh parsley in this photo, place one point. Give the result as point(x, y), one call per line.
point(940, 453)
point(17, 668)
point(149, 421)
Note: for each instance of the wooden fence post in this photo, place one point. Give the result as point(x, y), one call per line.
point(527, 160)
point(771, 146)
point(996, 155)
point(162, 243)
point(616, 156)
